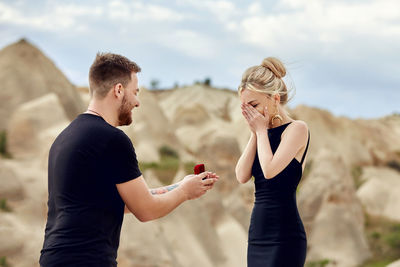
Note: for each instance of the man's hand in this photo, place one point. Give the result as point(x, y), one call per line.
point(194, 186)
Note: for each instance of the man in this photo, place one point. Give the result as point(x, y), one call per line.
point(93, 174)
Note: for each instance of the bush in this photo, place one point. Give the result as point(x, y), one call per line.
point(154, 84)
point(383, 236)
point(356, 172)
point(320, 263)
point(166, 151)
point(3, 145)
point(189, 167)
point(393, 237)
point(207, 81)
point(4, 206)
point(166, 169)
point(3, 262)
point(307, 169)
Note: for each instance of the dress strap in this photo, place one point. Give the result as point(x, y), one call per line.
point(305, 152)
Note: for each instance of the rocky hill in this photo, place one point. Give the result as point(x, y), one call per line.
point(348, 196)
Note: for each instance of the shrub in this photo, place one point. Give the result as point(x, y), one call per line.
point(166, 151)
point(154, 84)
point(320, 263)
point(3, 261)
point(4, 206)
point(189, 167)
point(207, 81)
point(307, 169)
point(356, 172)
point(383, 236)
point(3, 145)
point(393, 237)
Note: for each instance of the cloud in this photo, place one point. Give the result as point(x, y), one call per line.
point(133, 11)
point(329, 47)
point(191, 43)
point(57, 16)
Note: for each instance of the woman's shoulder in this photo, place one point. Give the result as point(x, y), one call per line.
point(298, 129)
point(299, 125)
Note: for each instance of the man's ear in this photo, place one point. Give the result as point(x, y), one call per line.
point(118, 90)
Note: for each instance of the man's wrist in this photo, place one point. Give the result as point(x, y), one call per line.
point(181, 191)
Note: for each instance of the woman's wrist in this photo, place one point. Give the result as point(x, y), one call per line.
point(260, 132)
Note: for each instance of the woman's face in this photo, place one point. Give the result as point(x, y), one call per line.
point(258, 100)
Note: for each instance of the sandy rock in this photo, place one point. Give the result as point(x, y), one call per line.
point(394, 264)
point(332, 214)
point(10, 187)
point(379, 194)
point(151, 129)
point(217, 103)
point(194, 115)
point(11, 240)
point(234, 241)
point(26, 69)
point(239, 203)
point(30, 120)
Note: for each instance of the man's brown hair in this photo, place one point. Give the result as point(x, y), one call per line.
point(107, 70)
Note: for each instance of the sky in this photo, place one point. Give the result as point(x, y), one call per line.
point(341, 55)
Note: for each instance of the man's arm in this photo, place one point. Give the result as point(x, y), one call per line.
point(158, 191)
point(164, 189)
point(146, 206)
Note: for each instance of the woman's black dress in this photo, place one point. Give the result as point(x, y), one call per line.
point(276, 234)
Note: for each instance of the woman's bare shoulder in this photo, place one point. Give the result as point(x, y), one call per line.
point(298, 129)
point(300, 124)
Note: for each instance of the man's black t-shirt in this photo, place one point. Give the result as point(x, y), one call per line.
point(85, 210)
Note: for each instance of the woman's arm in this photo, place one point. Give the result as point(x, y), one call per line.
point(293, 140)
point(245, 162)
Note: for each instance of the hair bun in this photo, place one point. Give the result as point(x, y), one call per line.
point(275, 65)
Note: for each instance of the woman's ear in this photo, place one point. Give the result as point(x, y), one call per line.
point(277, 98)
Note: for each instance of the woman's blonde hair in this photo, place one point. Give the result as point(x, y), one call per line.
point(266, 78)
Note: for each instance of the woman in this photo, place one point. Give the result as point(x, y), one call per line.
point(275, 157)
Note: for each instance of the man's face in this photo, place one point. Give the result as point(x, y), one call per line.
point(129, 101)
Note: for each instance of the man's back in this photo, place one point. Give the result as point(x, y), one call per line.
point(85, 214)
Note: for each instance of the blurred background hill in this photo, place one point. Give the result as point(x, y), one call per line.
point(348, 197)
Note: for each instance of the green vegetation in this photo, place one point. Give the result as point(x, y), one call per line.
point(383, 236)
point(166, 169)
point(320, 263)
point(3, 145)
point(154, 84)
point(382, 263)
point(4, 206)
point(307, 169)
point(3, 262)
point(393, 237)
point(356, 172)
point(168, 152)
point(207, 81)
point(189, 166)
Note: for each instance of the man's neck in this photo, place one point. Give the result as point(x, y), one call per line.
point(102, 109)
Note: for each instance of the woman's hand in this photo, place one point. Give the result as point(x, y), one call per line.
point(257, 122)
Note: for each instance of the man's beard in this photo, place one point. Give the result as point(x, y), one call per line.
point(124, 113)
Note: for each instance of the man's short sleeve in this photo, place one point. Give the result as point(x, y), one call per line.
point(123, 160)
